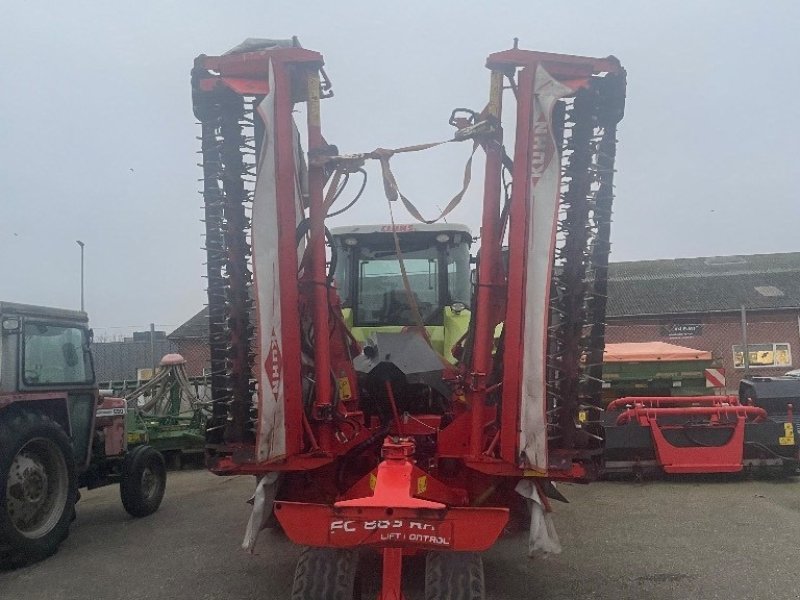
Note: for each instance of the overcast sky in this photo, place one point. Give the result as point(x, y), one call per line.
point(97, 136)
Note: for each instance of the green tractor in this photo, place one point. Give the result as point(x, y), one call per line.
point(438, 269)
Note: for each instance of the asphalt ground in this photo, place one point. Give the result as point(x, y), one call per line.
point(712, 538)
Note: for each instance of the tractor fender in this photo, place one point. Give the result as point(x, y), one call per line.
point(52, 405)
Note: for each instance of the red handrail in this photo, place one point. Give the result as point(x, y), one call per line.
point(651, 414)
point(659, 401)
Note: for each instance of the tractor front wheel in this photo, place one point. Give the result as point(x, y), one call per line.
point(38, 487)
point(454, 576)
point(325, 574)
point(143, 481)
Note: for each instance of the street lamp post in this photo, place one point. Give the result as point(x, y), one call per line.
point(81, 244)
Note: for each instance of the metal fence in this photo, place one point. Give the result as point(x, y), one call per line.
point(125, 359)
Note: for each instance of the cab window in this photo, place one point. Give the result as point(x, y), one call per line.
point(55, 354)
point(382, 298)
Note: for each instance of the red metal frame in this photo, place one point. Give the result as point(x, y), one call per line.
point(723, 458)
point(715, 414)
point(574, 72)
point(397, 506)
point(393, 515)
point(323, 401)
point(490, 277)
point(659, 401)
point(498, 301)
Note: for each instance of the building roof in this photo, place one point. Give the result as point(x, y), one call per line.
point(193, 329)
point(704, 285)
point(690, 286)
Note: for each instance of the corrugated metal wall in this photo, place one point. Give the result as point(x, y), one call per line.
point(115, 361)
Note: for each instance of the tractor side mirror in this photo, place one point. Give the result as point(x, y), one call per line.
point(71, 357)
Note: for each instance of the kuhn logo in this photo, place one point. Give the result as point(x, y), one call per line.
point(542, 149)
point(272, 365)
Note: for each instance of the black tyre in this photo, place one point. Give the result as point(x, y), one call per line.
point(454, 576)
point(38, 487)
point(143, 482)
point(325, 574)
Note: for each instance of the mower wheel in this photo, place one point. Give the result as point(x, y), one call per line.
point(454, 576)
point(325, 574)
point(143, 481)
point(38, 487)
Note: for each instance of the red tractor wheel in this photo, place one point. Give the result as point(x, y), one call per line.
point(325, 574)
point(454, 576)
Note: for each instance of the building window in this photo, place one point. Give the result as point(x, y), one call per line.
point(763, 355)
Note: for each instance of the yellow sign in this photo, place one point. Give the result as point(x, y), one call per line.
point(422, 484)
point(763, 355)
point(788, 435)
point(373, 481)
point(345, 393)
point(582, 416)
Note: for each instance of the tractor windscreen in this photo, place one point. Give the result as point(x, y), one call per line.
point(370, 277)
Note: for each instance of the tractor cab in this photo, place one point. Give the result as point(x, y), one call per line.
point(44, 353)
point(370, 280)
point(58, 433)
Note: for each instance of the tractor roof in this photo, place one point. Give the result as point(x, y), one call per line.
point(401, 228)
point(30, 310)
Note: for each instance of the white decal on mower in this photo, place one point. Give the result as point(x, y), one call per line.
point(397, 530)
point(343, 525)
point(428, 539)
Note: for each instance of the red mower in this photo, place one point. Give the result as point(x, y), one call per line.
point(382, 442)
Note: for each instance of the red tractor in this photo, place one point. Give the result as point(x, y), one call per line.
point(58, 434)
point(384, 443)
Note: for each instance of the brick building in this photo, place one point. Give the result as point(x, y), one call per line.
point(191, 341)
point(693, 302)
point(697, 302)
